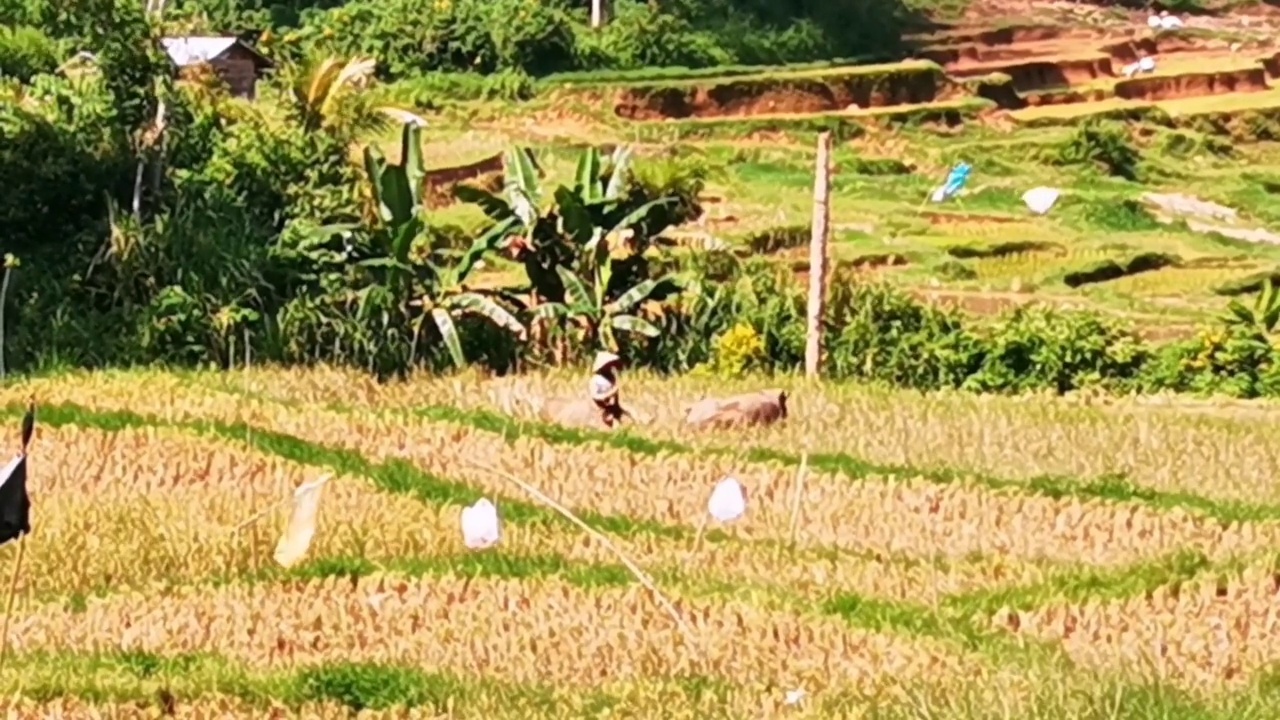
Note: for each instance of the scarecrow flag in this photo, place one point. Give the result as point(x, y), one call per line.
point(15, 504)
point(954, 184)
point(728, 501)
point(302, 522)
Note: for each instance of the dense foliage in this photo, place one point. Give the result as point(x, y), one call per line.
point(533, 37)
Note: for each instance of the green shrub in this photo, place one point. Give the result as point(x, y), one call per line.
point(642, 35)
point(365, 686)
point(681, 180)
point(434, 90)
point(1104, 145)
point(1233, 360)
point(955, 270)
point(26, 52)
point(772, 240)
point(1126, 215)
point(880, 333)
point(1037, 347)
point(738, 350)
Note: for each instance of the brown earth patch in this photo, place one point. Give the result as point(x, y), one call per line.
point(975, 53)
point(1173, 87)
point(1044, 73)
point(1065, 97)
point(1271, 64)
point(439, 183)
point(1165, 333)
point(782, 95)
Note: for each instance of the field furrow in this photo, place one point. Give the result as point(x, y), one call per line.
point(1209, 632)
point(514, 631)
point(1216, 451)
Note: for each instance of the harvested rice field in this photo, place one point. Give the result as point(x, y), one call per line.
point(900, 556)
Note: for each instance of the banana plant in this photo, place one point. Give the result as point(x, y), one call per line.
point(568, 232)
point(438, 284)
point(397, 197)
point(589, 306)
point(451, 298)
point(1263, 316)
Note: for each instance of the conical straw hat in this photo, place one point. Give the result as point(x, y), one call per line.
point(604, 360)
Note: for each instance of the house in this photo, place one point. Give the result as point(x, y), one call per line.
point(231, 58)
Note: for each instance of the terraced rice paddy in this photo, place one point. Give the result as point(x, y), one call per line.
point(953, 556)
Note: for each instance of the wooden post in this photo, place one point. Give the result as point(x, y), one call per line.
point(818, 256)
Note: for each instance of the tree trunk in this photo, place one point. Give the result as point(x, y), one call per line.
point(600, 12)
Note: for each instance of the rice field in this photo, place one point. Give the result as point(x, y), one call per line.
point(945, 556)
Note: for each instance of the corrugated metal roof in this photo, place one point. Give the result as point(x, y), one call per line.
point(192, 50)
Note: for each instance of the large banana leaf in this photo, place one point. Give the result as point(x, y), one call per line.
point(1238, 313)
point(634, 324)
point(587, 176)
point(653, 289)
point(384, 262)
point(1268, 307)
point(620, 167)
point(576, 293)
point(550, 311)
point(398, 188)
point(375, 165)
point(488, 308)
point(403, 236)
point(492, 205)
point(449, 333)
point(575, 218)
point(484, 244)
point(631, 219)
point(411, 163)
point(520, 174)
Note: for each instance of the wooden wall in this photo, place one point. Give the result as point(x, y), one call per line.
point(237, 69)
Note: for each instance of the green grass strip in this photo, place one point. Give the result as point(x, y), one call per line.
point(163, 683)
point(478, 565)
point(965, 617)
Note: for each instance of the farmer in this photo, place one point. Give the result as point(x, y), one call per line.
point(604, 387)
